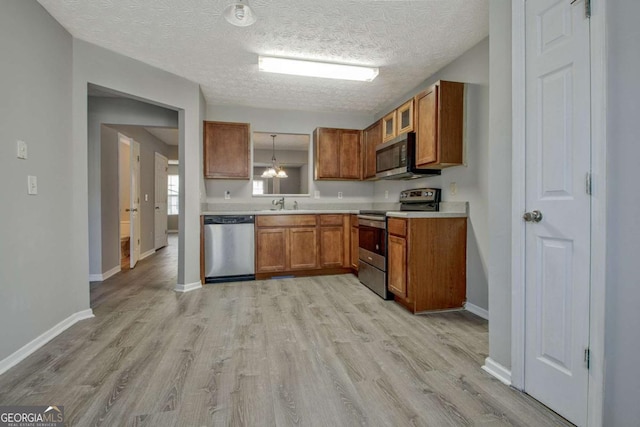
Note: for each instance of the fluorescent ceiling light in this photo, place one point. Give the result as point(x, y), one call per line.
point(316, 69)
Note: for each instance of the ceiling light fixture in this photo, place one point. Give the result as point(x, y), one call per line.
point(239, 13)
point(274, 171)
point(316, 69)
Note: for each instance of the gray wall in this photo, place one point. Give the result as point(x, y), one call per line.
point(622, 346)
point(149, 145)
point(38, 284)
point(472, 180)
point(500, 182)
point(283, 121)
point(104, 241)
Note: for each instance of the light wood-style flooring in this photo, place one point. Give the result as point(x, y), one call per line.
point(319, 351)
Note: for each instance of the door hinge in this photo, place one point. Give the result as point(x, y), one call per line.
point(587, 7)
point(587, 358)
point(588, 183)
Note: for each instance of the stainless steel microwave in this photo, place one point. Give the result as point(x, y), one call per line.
point(396, 159)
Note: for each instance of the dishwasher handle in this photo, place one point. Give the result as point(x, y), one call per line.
point(229, 219)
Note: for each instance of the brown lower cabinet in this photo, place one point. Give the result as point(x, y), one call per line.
point(301, 245)
point(427, 262)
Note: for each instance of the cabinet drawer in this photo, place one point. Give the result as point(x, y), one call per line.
point(285, 220)
point(397, 226)
point(330, 219)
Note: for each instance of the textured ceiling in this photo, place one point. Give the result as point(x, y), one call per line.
point(408, 41)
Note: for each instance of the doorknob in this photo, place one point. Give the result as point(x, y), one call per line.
point(534, 216)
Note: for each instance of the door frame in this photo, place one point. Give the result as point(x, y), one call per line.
point(155, 197)
point(598, 204)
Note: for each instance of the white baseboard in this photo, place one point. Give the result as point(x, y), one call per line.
point(497, 370)
point(478, 311)
point(147, 254)
point(104, 276)
point(26, 350)
point(188, 287)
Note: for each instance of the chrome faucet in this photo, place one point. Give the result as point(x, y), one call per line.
point(279, 203)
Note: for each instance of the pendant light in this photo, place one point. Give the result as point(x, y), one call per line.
point(274, 171)
point(239, 13)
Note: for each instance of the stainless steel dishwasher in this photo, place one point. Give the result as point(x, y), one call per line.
point(229, 248)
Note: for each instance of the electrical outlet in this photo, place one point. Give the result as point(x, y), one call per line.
point(316, 194)
point(339, 194)
point(32, 185)
point(386, 194)
point(227, 195)
point(453, 188)
point(21, 148)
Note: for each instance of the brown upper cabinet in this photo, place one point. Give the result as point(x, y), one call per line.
point(337, 154)
point(389, 126)
point(439, 125)
point(226, 150)
point(371, 138)
point(398, 121)
point(404, 118)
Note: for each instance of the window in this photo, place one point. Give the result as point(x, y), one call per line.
point(173, 195)
point(258, 186)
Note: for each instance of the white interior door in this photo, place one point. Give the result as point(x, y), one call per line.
point(134, 212)
point(160, 223)
point(558, 159)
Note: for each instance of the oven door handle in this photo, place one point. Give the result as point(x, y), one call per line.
point(372, 217)
point(372, 221)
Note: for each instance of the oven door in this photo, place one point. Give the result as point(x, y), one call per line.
point(372, 242)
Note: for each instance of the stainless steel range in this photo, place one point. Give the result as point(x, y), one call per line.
point(372, 251)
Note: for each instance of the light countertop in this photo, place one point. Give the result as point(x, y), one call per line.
point(447, 210)
point(284, 212)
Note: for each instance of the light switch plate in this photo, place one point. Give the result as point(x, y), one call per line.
point(21, 148)
point(146, 197)
point(32, 185)
point(316, 194)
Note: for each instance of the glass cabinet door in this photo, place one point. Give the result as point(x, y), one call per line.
point(389, 126)
point(405, 117)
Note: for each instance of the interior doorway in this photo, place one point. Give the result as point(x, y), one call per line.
point(114, 117)
point(129, 187)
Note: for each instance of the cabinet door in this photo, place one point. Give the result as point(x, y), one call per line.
point(327, 149)
point(354, 248)
point(427, 127)
point(404, 116)
point(397, 266)
point(271, 248)
point(226, 150)
point(350, 165)
point(303, 244)
point(331, 247)
point(389, 126)
point(371, 137)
